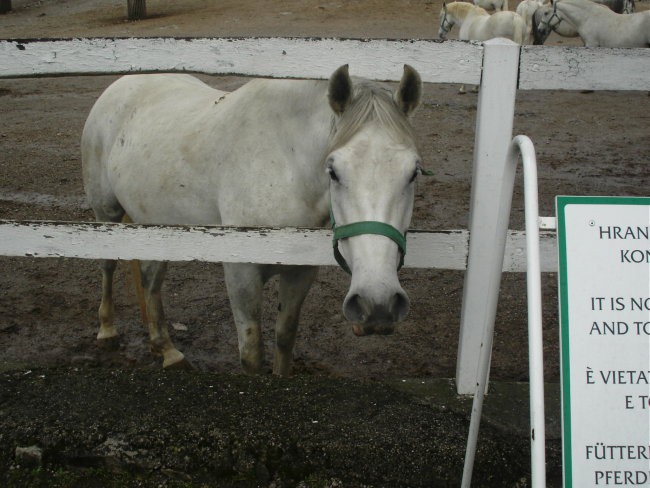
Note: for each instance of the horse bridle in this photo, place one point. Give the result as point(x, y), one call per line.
point(554, 16)
point(361, 228)
point(445, 25)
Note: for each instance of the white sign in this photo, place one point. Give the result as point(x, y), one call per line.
point(604, 292)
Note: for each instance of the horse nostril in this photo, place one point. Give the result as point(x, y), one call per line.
point(371, 317)
point(399, 306)
point(355, 308)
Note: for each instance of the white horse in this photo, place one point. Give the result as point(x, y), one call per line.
point(169, 149)
point(566, 28)
point(477, 25)
point(597, 25)
point(526, 9)
point(496, 5)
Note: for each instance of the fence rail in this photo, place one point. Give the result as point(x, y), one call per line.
point(541, 67)
point(292, 246)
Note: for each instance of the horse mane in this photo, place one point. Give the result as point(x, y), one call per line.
point(462, 9)
point(371, 103)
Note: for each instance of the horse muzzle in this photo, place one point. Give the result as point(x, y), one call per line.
point(543, 31)
point(376, 300)
point(375, 314)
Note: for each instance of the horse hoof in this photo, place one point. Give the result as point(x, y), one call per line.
point(109, 343)
point(183, 364)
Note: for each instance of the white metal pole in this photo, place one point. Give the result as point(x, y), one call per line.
point(523, 145)
point(534, 287)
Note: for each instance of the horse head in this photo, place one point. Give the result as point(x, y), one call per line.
point(372, 163)
point(539, 37)
point(445, 22)
point(545, 22)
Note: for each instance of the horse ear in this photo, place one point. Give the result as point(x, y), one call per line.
point(409, 92)
point(339, 92)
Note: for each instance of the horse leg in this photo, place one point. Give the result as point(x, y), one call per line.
point(153, 274)
point(461, 90)
point(294, 286)
point(245, 284)
point(107, 336)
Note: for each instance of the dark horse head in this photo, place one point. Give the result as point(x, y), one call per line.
point(539, 37)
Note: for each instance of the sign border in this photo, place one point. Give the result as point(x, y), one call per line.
point(561, 202)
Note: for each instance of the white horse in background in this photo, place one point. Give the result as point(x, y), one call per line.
point(496, 5)
point(168, 149)
point(526, 9)
point(597, 25)
point(566, 28)
point(478, 25)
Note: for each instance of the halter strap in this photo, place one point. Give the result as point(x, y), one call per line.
point(365, 227)
point(444, 27)
point(550, 19)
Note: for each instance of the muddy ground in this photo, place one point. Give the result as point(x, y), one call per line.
point(586, 143)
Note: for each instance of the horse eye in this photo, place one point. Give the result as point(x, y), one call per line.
point(418, 171)
point(332, 173)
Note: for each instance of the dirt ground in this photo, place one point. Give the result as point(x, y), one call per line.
point(587, 144)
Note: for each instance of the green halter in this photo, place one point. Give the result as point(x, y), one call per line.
point(365, 227)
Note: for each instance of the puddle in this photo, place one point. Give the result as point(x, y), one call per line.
point(42, 199)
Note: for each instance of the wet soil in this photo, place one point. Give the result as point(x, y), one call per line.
point(265, 431)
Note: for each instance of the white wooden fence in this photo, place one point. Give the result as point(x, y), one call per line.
point(499, 66)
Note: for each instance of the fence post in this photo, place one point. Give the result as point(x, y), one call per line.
point(492, 186)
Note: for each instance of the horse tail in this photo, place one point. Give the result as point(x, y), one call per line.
point(137, 281)
point(517, 37)
point(520, 30)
